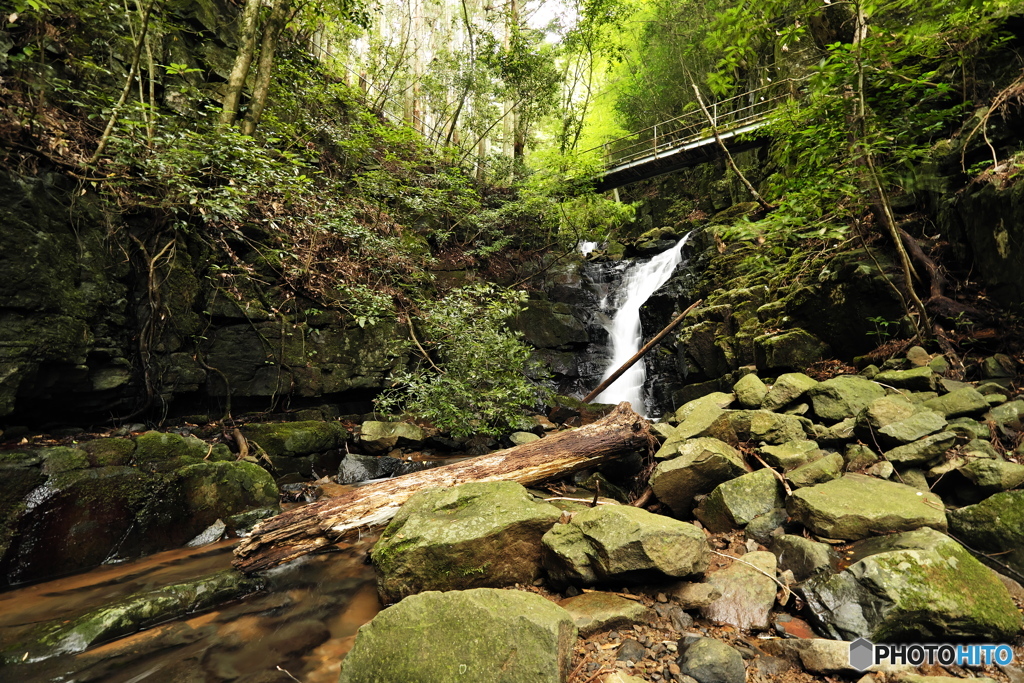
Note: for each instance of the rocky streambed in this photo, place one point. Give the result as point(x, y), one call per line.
point(785, 519)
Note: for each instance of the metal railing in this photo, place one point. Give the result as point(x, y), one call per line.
point(729, 116)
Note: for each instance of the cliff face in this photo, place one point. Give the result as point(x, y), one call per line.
point(79, 338)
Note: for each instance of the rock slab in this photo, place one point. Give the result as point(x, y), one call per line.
point(468, 536)
point(484, 634)
point(856, 506)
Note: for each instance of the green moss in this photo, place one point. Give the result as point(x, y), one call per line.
point(63, 459)
point(161, 452)
point(104, 452)
point(297, 438)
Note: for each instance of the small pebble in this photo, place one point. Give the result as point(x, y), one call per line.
point(662, 597)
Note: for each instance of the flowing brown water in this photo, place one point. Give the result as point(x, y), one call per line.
point(300, 627)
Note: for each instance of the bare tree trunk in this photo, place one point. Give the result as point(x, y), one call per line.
point(243, 59)
point(132, 71)
point(265, 66)
point(303, 530)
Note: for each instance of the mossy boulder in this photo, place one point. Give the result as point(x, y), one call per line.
point(842, 397)
point(750, 391)
point(912, 428)
point(919, 585)
point(623, 543)
point(923, 451)
point(163, 451)
point(484, 634)
point(995, 525)
point(468, 536)
point(736, 426)
point(826, 468)
point(916, 379)
point(63, 459)
point(734, 503)
point(788, 388)
point(380, 437)
point(747, 592)
point(792, 350)
point(964, 401)
point(991, 475)
point(696, 466)
point(74, 522)
point(856, 506)
point(791, 454)
point(114, 451)
point(292, 439)
point(597, 611)
point(218, 490)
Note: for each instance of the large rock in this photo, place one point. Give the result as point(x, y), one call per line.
point(790, 350)
point(856, 506)
point(711, 661)
point(623, 543)
point(750, 391)
point(696, 466)
point(995, 525)
point(842, 397)
point(748, 591)
point(787, 388)
point(963, 401)
point(291, 439)
point(916, 379)
point(717, 399)
point(467, 536)
point(596, 611)
point(823, 469)
point(380, 437)
point(734, 503)
point(802, 556)
point(792, 454)
point(484, 634)
point(992, 475)
point(736, 426)
point(355, 468)
point(912, 428)
point(920, 585)
point(924, 451)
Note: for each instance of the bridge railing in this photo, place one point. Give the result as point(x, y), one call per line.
point(728, 115)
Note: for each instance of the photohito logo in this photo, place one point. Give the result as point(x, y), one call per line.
point(865, 654)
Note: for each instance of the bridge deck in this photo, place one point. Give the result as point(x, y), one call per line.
point(689, 140)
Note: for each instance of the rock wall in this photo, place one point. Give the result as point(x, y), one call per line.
point(84, 337)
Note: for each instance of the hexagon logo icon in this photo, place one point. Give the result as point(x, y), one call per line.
point(862, 654)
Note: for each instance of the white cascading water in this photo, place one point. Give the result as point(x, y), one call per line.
point(625, 333)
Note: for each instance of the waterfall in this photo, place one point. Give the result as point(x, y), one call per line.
point(639, 282)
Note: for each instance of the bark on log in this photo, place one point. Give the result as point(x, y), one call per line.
point(300, 531)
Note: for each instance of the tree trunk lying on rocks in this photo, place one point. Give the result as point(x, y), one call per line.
point(300, 531)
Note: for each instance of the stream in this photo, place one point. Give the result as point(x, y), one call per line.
point(304, 622)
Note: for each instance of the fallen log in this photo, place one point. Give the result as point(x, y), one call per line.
point(302, 530)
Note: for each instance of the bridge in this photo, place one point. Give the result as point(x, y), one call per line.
point(689, 140)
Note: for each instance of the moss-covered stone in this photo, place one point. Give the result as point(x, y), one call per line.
point(63, 459)
point(916, 379)
point(736, 426)
point(624, 543)
point(293, 439)
point(546, 324)
point(788, 388)
point(924, 451)
point(823, 469)
point(995, 525)
point(750, 391)
point(792, 350)
point(380, 437)
point(163, 451)
point(109, 452)
point(734, 503)
point(483, 634)
point(791, 454)
point(695, 466)
point(857, 506)
point(469, 536)
point(842, 397)
point(963, 401)
point(921, 586)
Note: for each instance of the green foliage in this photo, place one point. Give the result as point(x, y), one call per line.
point(479, 385)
